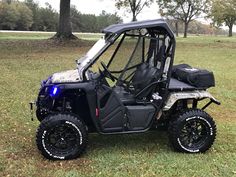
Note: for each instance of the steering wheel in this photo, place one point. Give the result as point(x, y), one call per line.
point(107, 72)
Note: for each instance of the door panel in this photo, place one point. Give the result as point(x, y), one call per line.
point(140, 116)
point(115, 117)
point(112, 111)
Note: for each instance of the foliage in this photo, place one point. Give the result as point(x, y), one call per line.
point(224, 12)
point(133, 6)
point(25, 16)
point(8, 16)
point(34, 7)
point(92, 23)
point(183, 10)
point(44, 19)
point(28, 15)
point(105, 19)
point(7, 1)
point(48, 19)
point(15, 15)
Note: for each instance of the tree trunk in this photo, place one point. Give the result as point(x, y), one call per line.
point(134, 17)
point(230, 30)
point(177, 29)
point(185, 29)
point(64, 30)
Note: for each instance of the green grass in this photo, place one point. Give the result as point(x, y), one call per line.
point(24, 63)
point(39, 35)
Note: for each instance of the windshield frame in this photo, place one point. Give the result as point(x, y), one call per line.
point(93, 51)
point(84, 63)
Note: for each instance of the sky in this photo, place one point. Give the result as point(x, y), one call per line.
point(96, 7)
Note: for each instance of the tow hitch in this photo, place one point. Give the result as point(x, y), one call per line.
point(32, 105)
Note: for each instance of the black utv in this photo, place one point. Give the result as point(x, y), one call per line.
point(134, 90)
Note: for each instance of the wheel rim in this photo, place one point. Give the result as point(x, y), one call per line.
point(194, 134)
point(61, 140)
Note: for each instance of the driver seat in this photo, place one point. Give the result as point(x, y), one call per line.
point(143, 76)
point(126, 97)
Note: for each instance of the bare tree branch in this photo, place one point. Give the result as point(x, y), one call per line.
point(183, 10)
point(133, 6)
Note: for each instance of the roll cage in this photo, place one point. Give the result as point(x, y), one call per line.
point(162, 42)
point(159, 50)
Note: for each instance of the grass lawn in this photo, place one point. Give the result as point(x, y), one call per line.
point(24, 63)
point(42, 35)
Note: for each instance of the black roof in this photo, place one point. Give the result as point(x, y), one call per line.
point(120, 28)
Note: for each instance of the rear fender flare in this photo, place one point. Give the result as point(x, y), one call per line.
point(175, 96)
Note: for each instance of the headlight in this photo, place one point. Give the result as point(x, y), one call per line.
point(54, 91)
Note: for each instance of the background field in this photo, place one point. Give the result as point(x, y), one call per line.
point(26, 59)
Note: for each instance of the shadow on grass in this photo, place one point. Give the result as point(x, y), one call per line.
point(149, 141)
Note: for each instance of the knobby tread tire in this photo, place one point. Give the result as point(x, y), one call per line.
point(176, 124)
point(52, 120)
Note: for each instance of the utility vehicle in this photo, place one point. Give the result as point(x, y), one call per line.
point(126, 83)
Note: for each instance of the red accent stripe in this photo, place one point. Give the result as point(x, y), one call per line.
point(97, 112)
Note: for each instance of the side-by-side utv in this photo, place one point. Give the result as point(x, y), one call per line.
point(126, 83)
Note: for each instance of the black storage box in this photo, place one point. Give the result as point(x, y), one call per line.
point(200, 78)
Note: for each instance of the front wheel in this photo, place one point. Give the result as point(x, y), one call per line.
point(61, 137)
point(192, 131)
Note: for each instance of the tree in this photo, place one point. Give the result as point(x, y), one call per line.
point(48, 18)
point(34, 7)
point(44, 19)
point(105, 19)
point(8, 16)
point(75, 19)
point(7, 1)
point(133, 6)
point(91, 22)
point(183, 10)
point(64, 30)
point(196, 27)
point(15, 15)
point(25, 16)
point(174, 23)
point(224, 12)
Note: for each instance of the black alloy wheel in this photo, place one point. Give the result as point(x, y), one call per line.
point(193, 131)
point(61, 136)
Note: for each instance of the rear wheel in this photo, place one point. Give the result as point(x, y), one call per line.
point(193, 131)
point(61, 136)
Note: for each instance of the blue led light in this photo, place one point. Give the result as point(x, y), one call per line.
point(54, 91)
